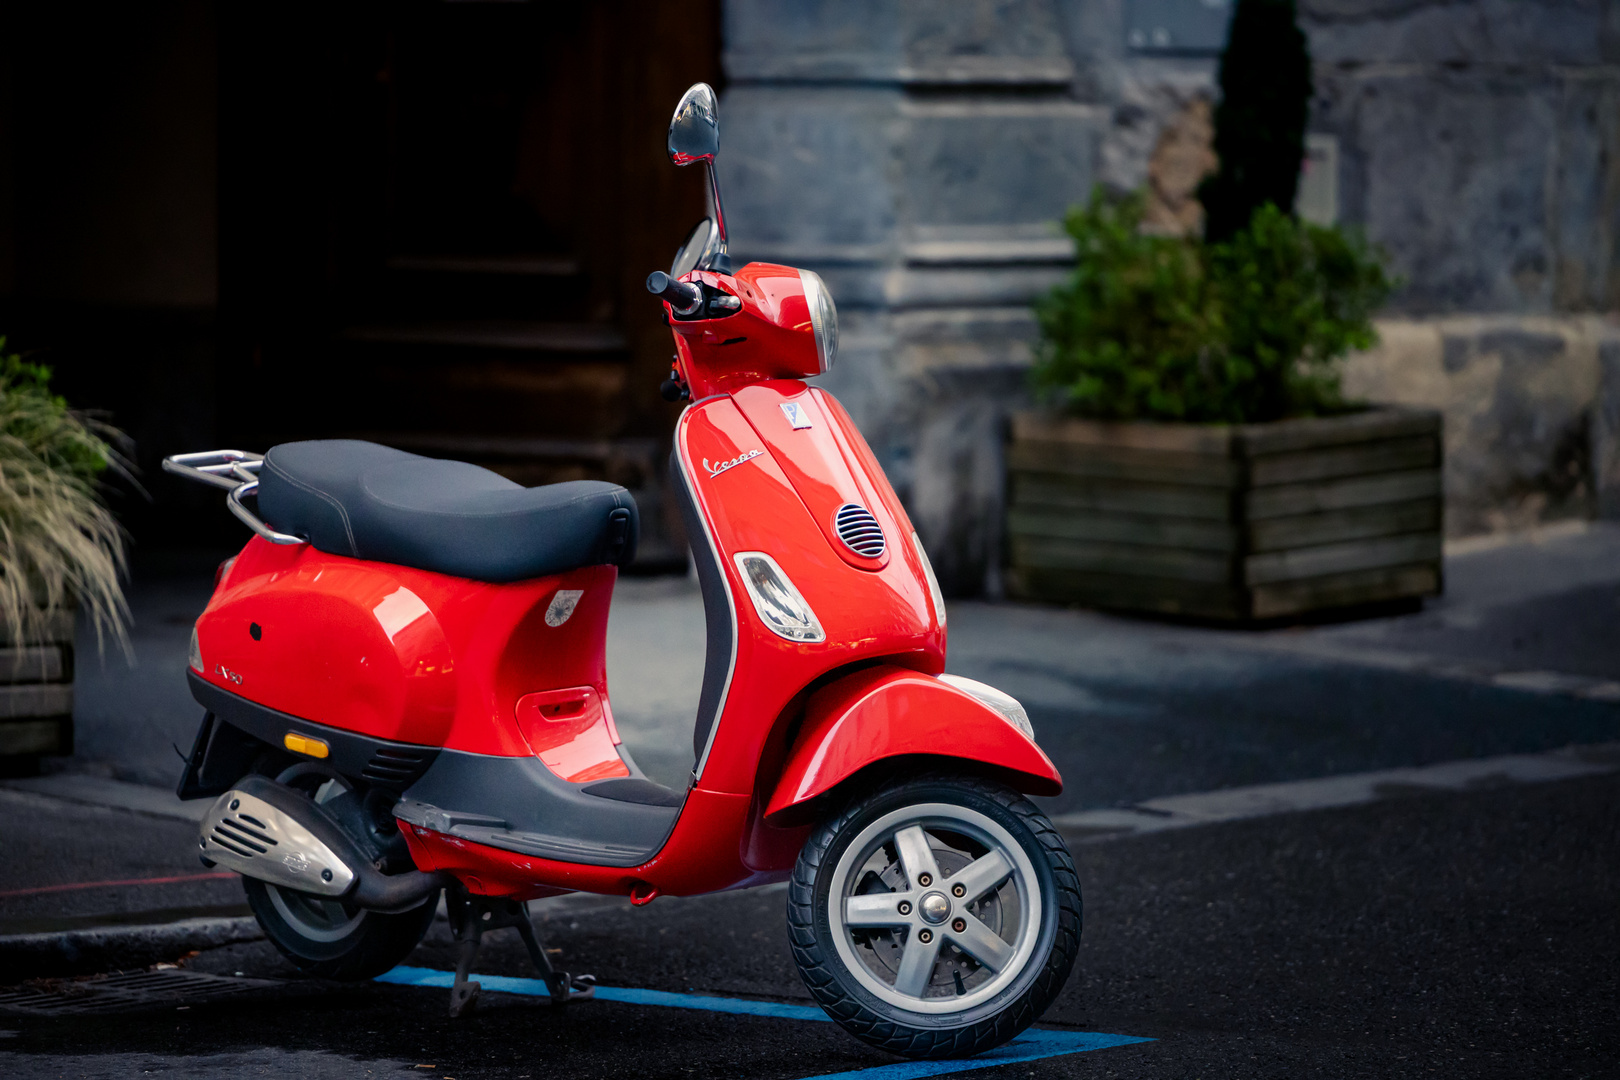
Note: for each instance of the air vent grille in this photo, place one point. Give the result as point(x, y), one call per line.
point(239, 839)
point(396, 767)
point(859, 529)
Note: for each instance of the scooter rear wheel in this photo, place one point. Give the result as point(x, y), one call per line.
point(326, 937)
point(938, 917)
point(332, 939)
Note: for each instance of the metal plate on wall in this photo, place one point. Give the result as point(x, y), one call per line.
point(1177, 27)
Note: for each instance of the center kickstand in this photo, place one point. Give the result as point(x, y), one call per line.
point(470, 917)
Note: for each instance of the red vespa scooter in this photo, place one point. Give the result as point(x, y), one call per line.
point(405, 686)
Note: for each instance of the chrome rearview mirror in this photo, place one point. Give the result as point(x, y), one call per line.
point(694, 130)
point(694, 135)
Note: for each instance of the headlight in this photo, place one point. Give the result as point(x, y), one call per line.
point(933, 582)
point(777, 601)
point(823, 318)
point(1005, 704)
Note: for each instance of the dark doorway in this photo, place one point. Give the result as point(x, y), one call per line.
point(435, 219)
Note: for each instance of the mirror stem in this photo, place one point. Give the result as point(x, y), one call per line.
point(715, 211)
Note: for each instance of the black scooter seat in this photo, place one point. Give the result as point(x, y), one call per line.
point(372, 502)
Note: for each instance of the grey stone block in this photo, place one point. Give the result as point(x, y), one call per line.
point(812, 39)
point(1520, 347)
point(1586, 192)
point(955, 494)
point(965, 339)
point(931, 42)
point(811, 167)
point(1516, 32)
point(928, 287)
point(1606, 430)
point(997, 161)
point(1449, 174)
point(1455, 352)
point(985, 41)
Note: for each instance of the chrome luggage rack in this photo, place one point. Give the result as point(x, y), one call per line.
point(237, 471)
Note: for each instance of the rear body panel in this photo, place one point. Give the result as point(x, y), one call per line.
point(401, 654)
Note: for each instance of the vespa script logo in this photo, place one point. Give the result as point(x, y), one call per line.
point(721, 466)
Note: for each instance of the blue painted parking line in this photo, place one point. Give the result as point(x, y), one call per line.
point(415, 976)
point(1033, 1045)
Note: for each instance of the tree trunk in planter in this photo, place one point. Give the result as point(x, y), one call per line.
point(36, 691)
point(1242, 522)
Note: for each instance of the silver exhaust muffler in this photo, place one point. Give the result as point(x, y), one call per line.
point(243, 832)
point(264, 830)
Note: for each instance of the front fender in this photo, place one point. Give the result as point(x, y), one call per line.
point(886, 712)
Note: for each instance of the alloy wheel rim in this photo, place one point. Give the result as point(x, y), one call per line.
point(935, 908)
point(318, 918)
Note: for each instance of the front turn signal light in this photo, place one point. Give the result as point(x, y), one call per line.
point(195, 658)
point(778, 603)
point(1001, 703)
point(933, 582)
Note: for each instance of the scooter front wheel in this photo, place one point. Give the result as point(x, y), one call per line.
point(938, 917)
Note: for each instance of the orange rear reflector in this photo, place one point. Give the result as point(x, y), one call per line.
point(303, 744)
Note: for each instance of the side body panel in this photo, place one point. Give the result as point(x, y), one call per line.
point(885, 712)
point(755, 504)
point(401, 654)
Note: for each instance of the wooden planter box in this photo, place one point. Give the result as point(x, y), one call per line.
point(1243, 522)
point(36, 692)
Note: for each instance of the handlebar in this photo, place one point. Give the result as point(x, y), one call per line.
point(682, 296)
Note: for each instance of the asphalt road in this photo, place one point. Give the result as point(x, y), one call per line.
point(1464, 935)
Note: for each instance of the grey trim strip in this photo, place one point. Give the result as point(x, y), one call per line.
point(678, 455)
point(517, 804)
point(401, 764)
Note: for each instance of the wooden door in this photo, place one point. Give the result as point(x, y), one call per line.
point(436, 222)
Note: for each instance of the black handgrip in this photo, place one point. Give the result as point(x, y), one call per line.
point(683, 296)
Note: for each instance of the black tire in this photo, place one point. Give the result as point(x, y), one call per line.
point(333, 939)
point(999, 1013)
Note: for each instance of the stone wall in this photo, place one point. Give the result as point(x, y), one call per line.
point(919, 154)
point(1518, 393)
point(1480, 144)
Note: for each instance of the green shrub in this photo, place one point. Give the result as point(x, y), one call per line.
point(1175, 328)
point(1131, 334)
point(59, 545)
